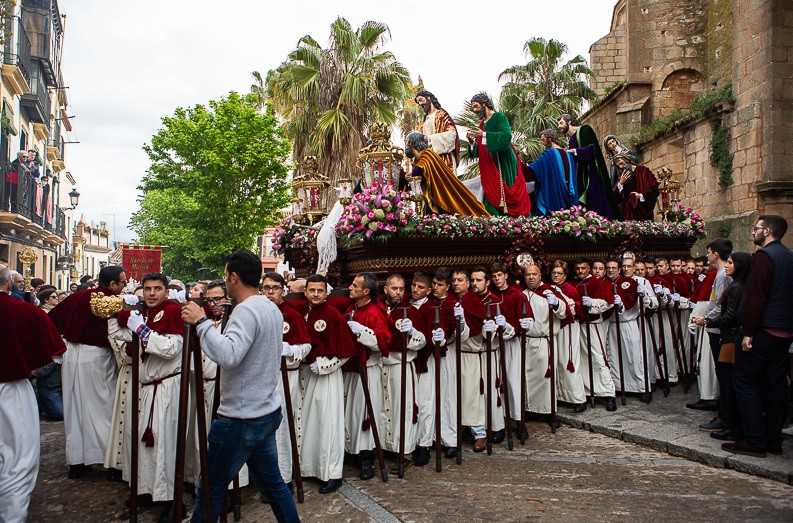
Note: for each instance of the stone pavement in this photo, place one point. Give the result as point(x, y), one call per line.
point(667, 425)
point(570, 475)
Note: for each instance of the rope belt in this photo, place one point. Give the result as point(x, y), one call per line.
point(148, 434)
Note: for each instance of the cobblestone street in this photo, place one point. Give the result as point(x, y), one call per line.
point(570, 475)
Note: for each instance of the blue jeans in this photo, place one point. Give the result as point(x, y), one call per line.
point(234, 442)
point(52, 406)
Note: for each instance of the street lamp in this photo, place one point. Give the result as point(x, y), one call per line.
point(74, 196)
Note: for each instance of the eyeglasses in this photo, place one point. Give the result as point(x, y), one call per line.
point(215, 301)
point(273, 288)
point(755, 229)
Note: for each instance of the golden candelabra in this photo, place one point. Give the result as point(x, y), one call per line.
point(27, 257)
point(669, 188)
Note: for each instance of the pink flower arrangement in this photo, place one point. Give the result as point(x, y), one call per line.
point(288, 237)
point(376, 212)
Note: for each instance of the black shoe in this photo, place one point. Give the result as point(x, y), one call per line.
point(725, 435)
point(395, 466)
point(421, 456)
point(112, 474)
point(714, 424)
point(76, 471)
point(450, 452)
point(775, 450)
point(581, 407)
point(499, 435)
point(702, 405)
point(611, 404)
point(744, 448)
point(647, 397)
point(332, 485)
point(144, 500)
point(367, 469)
point(167, 512)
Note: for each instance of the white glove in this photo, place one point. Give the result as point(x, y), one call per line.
point(438, 335)
point(314, 367)
point(617, 300)
point(173, 294)
point(458, 312)
point(355, 327)
point(501, 321)
point(552, 299)
point(675, 297)
point(287, 350)
point(657, 288)
point(667, 292)
point(701, 277)
point(586, 301)
point(135, 321)
point(130, 299)
point(640, 288)
point(489, 326)
point(406, 325)
point(527, 323)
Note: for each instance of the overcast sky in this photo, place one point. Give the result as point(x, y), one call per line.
point(128, 63)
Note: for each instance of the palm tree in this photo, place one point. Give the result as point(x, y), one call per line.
point(538, 92)
point(259, 90)
point(329, 97)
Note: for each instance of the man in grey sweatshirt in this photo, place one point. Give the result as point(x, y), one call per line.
point(249, 352)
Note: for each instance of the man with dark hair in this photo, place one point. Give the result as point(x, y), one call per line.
point(612, 270)
point(596, 299)
point(160, 329)
point(295, 348)
point(443, 192)
point(369, 324)
point(762, 363)
point(321, 421)
point(87, 279)
point(404, 321)
point(32, 343)
point(556, 185)
point(707, 299)
point(439, 129)
point(594, 181)
point(636, 187)
point(88, 373)
point(499, 169)
point(250, 406)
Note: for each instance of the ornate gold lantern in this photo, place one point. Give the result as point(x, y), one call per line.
point(311, 191)
point(416, 194)
point(345, 189)
point(380, 161)
point(669, 202)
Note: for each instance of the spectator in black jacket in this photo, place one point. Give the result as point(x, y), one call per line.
point(729, 324)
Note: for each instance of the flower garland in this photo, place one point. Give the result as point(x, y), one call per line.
point(288, 237)
point(376, 212)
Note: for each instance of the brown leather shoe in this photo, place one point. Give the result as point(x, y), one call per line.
point(480, 444)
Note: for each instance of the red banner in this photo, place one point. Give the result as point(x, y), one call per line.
point(140, 259)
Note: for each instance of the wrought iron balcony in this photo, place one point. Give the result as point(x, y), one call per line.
point(37, 102)
point(26, 203)
point(42, 21)
point(17, 52)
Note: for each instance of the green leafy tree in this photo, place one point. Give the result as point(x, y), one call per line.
point(538, 92)
point(328, 97)
point(217, 179)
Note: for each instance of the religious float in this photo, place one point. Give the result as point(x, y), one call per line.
point(381, 229)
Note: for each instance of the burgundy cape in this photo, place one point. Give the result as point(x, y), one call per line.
point(74, 320)
point(642, 181)
point(596, 289)
point(628, 290)
point(703, 291)
point(330, 335)
point(30, 340)
point(512, 305)
point(475, 312)
point(545, 287)
point(373, 316)
point(295, 331)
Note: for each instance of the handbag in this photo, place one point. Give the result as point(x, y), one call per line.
point(727, 353)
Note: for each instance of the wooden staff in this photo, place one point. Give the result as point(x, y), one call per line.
point(589, 351)
point(181, 427)
point(198, 375)
point(662, 349)
point(523, 431)
point(675, 350)
point(502, 355)
point(290, 419)
point(647, 390)
point(134, 448)
point(402, 397)
point(437, 394)
point(619, 349)
point(680, 342)
point(489, 375)
point(553, 368)
point(459, 384)
point(373, 424)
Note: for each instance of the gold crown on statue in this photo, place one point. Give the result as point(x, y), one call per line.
point(524, 259)
point(105, 306)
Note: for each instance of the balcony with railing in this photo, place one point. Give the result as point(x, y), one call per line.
point(29, 206)
point(43, 24)
point(16, 58)
point(37, 102)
